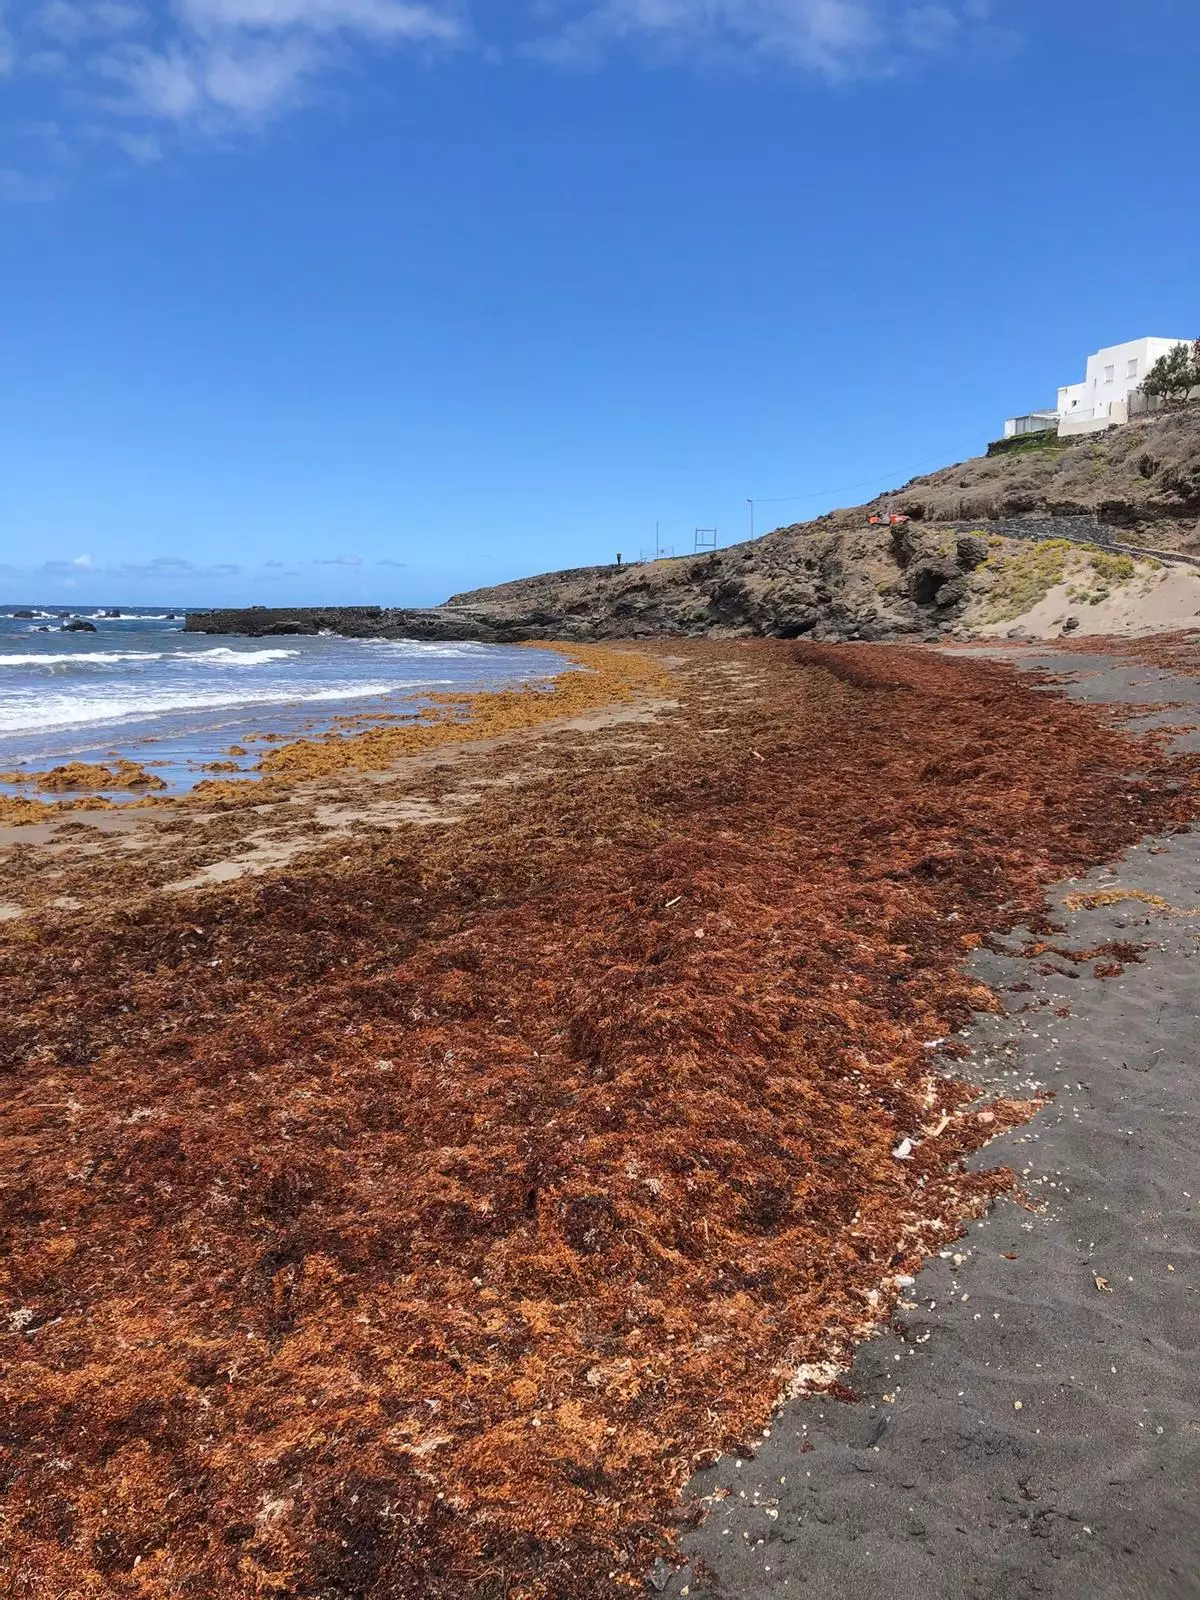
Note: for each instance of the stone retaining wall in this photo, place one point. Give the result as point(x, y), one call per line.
point(1078, 529)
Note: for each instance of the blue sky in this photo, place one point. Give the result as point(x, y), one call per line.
point(371, 300)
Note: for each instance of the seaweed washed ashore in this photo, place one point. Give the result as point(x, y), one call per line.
point(360, 743)
point(411, 1222)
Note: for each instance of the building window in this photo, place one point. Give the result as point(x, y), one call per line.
point(1131, 370)
point(1108, 374)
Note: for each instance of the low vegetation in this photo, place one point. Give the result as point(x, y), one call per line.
point(1020, 579)
point(1016, 579)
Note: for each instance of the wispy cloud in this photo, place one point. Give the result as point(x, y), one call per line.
point(69, 23)
point(223, 62)
point(338, 561)
point(386, 563)
point(158, 567)
point(201, 66)
point(824, 35)
point(832, 38)
point(138, 75)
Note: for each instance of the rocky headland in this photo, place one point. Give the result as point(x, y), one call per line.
point(1135, 490)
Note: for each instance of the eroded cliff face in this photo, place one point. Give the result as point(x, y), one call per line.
point(819, 583)
point(1142, 481)
point(839, 576)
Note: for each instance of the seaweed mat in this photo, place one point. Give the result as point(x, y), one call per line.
point(412, 1225)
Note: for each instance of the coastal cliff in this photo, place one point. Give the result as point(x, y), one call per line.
point(1135, 489)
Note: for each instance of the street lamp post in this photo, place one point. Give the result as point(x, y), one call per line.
point(750, 503)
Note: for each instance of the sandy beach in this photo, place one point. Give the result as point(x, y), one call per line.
point(724, 1126)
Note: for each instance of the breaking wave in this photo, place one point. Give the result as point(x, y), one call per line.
point(61, 711)
point(222, 656)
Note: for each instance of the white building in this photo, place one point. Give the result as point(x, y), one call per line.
point(1102, 399)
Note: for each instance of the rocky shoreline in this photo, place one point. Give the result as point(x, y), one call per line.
point(872, 583)
point(917, 562)
point(436, 624)
point(832, 593)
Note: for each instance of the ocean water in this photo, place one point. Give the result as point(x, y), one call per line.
point(141, 687)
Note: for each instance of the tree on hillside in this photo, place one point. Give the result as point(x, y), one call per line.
point(1172, 376)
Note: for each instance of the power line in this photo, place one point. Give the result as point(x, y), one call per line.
point(864, 483)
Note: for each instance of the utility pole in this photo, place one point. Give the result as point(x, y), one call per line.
point(750, 503)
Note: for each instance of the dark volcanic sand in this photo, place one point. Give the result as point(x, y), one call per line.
point(1044, 1433)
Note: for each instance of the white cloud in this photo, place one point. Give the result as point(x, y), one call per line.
point(71, 22)
point(18, 185)
point(339, 561)
point(834, 38)
point(206, 65)
point(142, 148)
point(162, 85)
point(930, 27)
point(139, 75)
point(7, 55)
point(161, 567)
point(385, 18)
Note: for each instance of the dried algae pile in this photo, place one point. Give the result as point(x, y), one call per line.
point(609, 677)
point(365, 743)
point(412, 1225)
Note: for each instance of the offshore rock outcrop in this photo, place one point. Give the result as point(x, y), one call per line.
point(431, 623)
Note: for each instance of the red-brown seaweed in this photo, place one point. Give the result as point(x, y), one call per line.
point(411, 1224)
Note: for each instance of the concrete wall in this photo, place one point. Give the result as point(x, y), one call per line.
point(1079, 530)
point(1112, 375)
point(1031, 422)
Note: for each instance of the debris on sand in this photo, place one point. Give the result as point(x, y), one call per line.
point(407, 1226)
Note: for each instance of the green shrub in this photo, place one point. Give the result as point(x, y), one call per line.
point(1113, 568)
point(1173, 375)
point(1025, 577)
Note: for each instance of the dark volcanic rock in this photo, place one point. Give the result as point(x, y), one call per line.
point(927, 577)
point(972, 551)
point(76, 625)
point(952, 593)
point(839, 575)
point(438, 623)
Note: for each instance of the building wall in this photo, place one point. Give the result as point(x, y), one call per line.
point(1031, 422)
point(1112, 374)
point(1106, 395)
